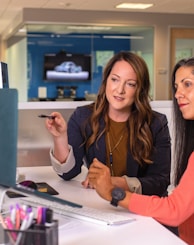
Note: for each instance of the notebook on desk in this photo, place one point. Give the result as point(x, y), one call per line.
point(8, 135)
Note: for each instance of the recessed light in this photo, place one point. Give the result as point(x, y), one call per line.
point(134, 5)
point(22, 30)
point(89, 27)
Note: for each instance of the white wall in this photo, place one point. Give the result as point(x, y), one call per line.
point(17, 68)
point(165, 107)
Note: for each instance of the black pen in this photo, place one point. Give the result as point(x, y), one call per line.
point(46, 116)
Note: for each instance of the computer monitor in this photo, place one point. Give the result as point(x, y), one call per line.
point(4, 80)
point(8, 136)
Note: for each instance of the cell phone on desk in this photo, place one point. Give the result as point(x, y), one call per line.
point(41, 187)
point(46, 188)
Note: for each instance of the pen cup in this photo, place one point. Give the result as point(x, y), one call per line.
point(37, 234)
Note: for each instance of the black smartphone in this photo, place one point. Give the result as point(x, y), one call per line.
point(46, 188)
point(41, 187)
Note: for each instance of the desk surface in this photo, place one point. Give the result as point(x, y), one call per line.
point(143, 230)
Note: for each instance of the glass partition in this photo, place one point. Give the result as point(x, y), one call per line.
point(182, 45)
point(98, 42)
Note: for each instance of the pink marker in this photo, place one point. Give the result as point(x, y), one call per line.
point(10, 226)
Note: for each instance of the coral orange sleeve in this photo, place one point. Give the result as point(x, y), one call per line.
point(174, 209)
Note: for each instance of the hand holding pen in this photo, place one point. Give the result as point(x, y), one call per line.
point(57, 126)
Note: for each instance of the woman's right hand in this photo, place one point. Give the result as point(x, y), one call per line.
point(57, 126)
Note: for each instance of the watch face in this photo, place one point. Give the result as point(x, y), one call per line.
point(118, 193)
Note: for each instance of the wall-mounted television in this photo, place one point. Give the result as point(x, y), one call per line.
point(67, 67)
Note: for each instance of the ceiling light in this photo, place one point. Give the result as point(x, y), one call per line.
point(22, 30)
point(134, 5)
point(89, 27)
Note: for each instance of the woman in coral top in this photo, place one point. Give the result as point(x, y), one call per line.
point(178, 208)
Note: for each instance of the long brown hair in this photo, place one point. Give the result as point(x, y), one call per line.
point(140, 136)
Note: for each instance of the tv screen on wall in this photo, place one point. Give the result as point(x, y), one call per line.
point(67, 67)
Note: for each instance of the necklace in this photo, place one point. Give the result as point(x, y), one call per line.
point(111, 151)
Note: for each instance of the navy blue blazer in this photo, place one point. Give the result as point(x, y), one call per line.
point(154, 178)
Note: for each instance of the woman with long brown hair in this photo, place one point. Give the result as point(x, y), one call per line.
point(119, 129)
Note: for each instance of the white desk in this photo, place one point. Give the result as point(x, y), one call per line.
point(143, 230)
